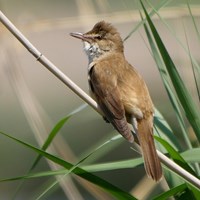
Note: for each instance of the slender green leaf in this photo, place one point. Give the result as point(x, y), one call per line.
point(75, 166)
point(193, 20)
point(171, 192)
point(193, 69)
point(195, 192)
point(192, 155)
point(181, 192)
point(194, 61)
point(67, 173)
point(160, 5)
point(114, 165)
point(176, 156)
point(167, 83)
point(55, 130)
point(164, 130)
point(125, 164)
point(113, 190)
point(36, 175)
point(181, 162)
point(188, 105)
point(114, 139)
point(50, 138)
point(198, 35)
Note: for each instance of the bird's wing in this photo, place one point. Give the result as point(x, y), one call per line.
point(103, 85)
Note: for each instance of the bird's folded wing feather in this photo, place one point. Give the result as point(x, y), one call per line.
point(104, 87)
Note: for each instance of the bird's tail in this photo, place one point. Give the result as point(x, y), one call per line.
point(151, 160)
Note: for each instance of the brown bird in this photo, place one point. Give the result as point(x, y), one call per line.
point(120, 91)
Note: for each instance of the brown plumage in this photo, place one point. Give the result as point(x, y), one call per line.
point(120, 91)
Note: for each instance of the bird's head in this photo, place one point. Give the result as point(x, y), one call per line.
point(101, 40)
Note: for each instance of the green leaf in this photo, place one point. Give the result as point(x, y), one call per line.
point(192, 155)
point(50, 138)
point(55, 130)
point(191, 110)
point(181, 192)
point(181, 162)
point(113, 190)
point(176, 156)
point(194, 71)
point(125, 164)
point(114, 165)
point(195, 192)
point(167, 84)
point(194, 61)
point(114, 139)
point(164, 130)
point(160, 5)
point(171, 192)
point(37, 175)
point(193, 20)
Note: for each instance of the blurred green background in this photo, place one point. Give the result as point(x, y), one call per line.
point(32, 100)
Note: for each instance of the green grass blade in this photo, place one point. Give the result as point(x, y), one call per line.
point(125, 164)
point(164, 131)
point(163, 73)
point(198, 35)
point(55, 130)
point(193, 20)
point(187, 103)
point(114, 141)
point(192, 191)
point(182, 191)
point(160, 5)
point(171, 192)
point(193, 69)
point(176, 156)
point(192, 155)
point(77, 165)
point(114, 165)
point(194, 61)
point(113, 190)
point(67, 173)
point(48, 141)
point(50, 138)
point(36, 175)
point(167, 84)
point(195, 192)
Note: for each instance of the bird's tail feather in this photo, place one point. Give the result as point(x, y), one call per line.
point(151, 160)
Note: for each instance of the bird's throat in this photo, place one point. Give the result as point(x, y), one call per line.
point(92, 50)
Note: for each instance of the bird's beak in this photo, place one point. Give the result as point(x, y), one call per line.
point(77, 35)
point(81, 36)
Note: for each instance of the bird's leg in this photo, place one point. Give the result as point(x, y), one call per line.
point(134, 124)
point(135, 128)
